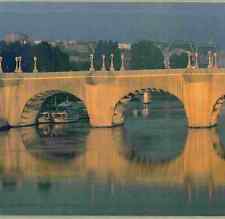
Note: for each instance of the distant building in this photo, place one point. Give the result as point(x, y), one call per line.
point(78, 51)
point(36, 42)
point(17, 37)
point(124, 46)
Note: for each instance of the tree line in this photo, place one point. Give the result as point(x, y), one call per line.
point(142, 55)
point(50, 58)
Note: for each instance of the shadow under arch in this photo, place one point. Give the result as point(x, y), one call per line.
point(34, 105)
point(120, 107)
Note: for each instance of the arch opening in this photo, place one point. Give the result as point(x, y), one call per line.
point(53, 106)
point(155, 129)
point(146, 101)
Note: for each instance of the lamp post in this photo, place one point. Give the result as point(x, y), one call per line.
point(103, 63)
point(189, 59)
point(209, 59)
point(35, 69)
point(1, 60)
point(92, 63)
point(215, 60)
point(122, 68)
point(16, 60)
point(196, 60)
point(20, 64)
point(111, 63)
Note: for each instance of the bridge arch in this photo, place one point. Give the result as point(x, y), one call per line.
point(120, 104)
point(216, 109)
point(33, 105)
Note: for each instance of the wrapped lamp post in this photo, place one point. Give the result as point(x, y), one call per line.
point(215, 60)
point(91, 63)
point(1, 61)
point(112, 63)
point(103, 63)
point(122, 68)
point(35, 69)
point(210, 59)
point(189, 59)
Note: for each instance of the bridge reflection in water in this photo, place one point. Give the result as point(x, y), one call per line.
point(105, 154)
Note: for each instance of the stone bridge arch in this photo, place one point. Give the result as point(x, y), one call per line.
point(216, 108)
point(123, 99)
point(100, 92)
point(33, 105)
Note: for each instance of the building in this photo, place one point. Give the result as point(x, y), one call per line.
point(13, 37)
point(124, 46)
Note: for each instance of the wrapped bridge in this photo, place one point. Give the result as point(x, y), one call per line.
point(201, 91)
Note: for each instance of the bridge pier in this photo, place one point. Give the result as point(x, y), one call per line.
point(99, 106)
point(100, 120)
point(197, 101)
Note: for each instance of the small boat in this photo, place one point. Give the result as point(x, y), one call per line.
point(45, 117)
point(64, 117)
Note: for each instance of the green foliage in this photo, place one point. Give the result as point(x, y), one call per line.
point(107, 48)
point(50, 59)
point(190, 46)
point(79, 66)
point(146, 55)
point(179, 61)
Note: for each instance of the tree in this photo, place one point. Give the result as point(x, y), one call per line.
point(107, 48)
point(79, 66)
point(50, 58)
point(146, 55)
point(179, 60)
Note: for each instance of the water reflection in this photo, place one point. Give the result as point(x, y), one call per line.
point(55, 141)
point(105, 154)
point(106, 162)
point(152, 165)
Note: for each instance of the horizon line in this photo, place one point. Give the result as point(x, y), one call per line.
point(113, 1)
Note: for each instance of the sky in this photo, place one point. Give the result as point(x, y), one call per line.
point(121, 22)
point(136, 1)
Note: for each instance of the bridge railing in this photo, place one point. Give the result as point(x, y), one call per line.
point(103, 67)
point(18, 65)
point(192, 62)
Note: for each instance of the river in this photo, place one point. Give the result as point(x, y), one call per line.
point(153, 165)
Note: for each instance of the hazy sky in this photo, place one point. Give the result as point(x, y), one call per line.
point(113, 1)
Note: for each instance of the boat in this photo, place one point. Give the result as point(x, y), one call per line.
point(65, 112)
point(45, 117)
point(64, 117)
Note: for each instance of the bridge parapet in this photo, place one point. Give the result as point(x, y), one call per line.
point(192, 63)
point(197, 88)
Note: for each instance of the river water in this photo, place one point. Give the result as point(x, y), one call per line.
point(153, 165)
